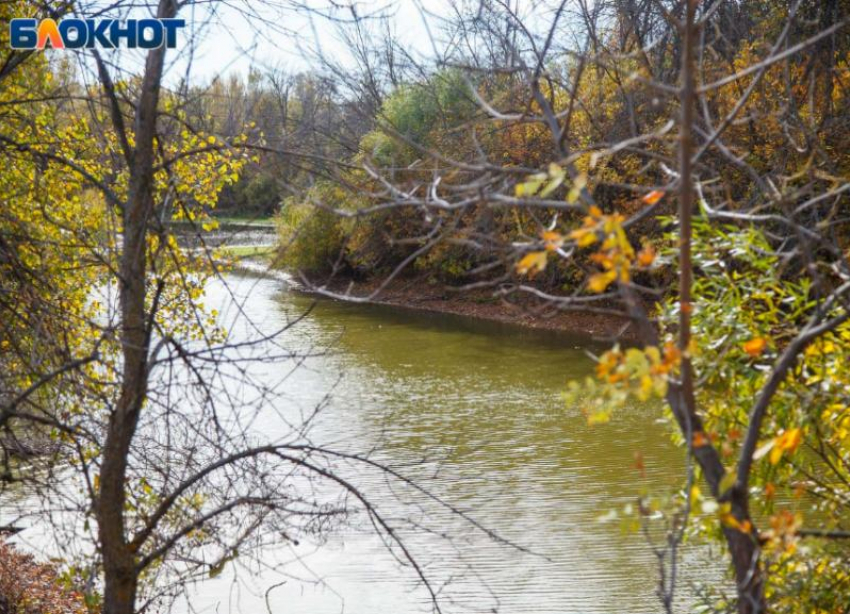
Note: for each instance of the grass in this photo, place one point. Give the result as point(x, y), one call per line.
point(239, 252)
point(224, 221)
point(265, 222)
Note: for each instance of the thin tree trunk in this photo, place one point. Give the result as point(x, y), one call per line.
point(743, 546)
point(120, 573)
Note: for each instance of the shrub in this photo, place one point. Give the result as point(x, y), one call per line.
point(312, 237)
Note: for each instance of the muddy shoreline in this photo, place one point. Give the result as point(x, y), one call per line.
point(527, 312)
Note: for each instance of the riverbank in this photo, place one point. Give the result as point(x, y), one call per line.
point(30, 587)
point(424, 294)
point(527, 311)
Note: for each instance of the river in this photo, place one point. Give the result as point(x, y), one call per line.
point(474, 411)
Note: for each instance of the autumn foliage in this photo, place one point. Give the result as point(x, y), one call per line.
point(29, 587)
point(688, 169)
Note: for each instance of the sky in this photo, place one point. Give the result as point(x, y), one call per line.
point(223, 37)
point(289, 34)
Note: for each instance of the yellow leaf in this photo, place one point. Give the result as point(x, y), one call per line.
point(729, 520)
point(584, 236)
point(788, 441)
point(598, 282)
point(793, 439)
point(728, 481)
point(579, 183)
point(661, 387)
point(646, 387)
point(654, 354)
point(531, 186)
point(532, 263)
point(557, 175)
point(598, 417)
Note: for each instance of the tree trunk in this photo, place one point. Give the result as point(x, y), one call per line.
point(743, 545)
point(119, 561)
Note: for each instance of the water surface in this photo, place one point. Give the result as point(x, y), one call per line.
point(473, 411)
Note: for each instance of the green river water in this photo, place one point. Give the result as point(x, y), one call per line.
point(474, 411)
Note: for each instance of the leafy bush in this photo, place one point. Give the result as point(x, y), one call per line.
point(310, 239)
point(313, 236)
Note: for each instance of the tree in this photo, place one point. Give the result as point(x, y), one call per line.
point(749, 90)
point(112, 356)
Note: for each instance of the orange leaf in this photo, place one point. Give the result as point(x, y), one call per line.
point(653, 197)
point(646, 256)
point(672, 355)
point(755, 347)
point(639, 464)
point(552, 239)
point(700, 439)
point(769, 490)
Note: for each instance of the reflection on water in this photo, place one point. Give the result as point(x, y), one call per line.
point(474, 411)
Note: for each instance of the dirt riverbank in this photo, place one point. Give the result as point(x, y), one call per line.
point(526, 311)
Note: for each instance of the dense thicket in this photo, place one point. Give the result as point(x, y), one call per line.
point(372, 131)
point(684, 164)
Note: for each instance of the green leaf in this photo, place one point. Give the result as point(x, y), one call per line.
point(729, 480)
